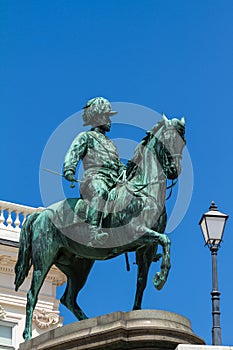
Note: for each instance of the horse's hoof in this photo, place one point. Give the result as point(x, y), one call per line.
point(27, 336)
point(82, 317)
point(158, 281)
point(136, 308)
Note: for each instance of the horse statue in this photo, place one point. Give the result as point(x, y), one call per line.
point(135, 219)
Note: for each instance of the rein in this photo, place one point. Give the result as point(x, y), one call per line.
point(174, 182)
point(170, 187)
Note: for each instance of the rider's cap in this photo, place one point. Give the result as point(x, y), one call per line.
point(96, 107)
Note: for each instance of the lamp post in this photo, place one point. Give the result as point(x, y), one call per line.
point(212, 225)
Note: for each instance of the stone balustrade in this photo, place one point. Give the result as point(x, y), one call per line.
point(12, 304)
point(12, 217)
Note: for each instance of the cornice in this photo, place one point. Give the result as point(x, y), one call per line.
point(7, 265)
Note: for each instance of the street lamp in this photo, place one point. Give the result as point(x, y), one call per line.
point(212, 225)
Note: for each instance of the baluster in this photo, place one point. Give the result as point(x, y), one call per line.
point(24, 217)
point(17, 222)
point(9, 220)
point(2, 218)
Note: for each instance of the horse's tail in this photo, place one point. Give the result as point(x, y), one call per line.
point(24, 261)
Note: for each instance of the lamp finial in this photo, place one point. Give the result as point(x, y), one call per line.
point(213, 206)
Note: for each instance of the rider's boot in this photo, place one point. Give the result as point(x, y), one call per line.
point(97, 236)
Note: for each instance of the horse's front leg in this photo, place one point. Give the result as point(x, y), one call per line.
point(144, 258)
point(162, 239)
point(161, 277)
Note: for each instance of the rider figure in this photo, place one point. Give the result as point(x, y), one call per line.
point(101, 162)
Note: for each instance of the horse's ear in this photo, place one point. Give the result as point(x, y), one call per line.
point(182, 120)
point(149, 133)
point(164, 117)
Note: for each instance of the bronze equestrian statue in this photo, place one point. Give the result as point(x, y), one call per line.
point(129, 214)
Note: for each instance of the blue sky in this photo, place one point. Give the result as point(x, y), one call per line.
point(171, 56)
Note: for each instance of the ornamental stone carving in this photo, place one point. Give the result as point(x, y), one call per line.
point(2, 312)
point(43, 319)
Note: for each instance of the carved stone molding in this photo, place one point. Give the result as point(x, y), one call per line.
point(2, 312)
point(43, 319)
point(5, 259)
point(7, 265)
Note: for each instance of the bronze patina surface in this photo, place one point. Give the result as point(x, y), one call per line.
point(122, 209)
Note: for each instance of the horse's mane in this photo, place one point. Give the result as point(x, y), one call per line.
point(132, 164)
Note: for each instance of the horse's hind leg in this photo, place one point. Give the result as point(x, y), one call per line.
point(77, 273)
point(144, 258)
point(38, 277)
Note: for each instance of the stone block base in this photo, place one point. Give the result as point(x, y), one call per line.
point(135, 330)
point(203, 347)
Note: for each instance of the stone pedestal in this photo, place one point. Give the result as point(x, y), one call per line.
point(135, 330)
point(203, 347)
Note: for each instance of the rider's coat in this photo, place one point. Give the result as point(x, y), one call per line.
point(98, 154)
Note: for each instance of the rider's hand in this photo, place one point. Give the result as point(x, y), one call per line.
point(69, 175)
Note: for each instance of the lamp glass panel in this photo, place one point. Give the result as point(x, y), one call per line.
point(215, 227)
point(204, 229)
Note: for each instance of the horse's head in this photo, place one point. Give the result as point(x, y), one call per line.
point(170, 141)
point(165, 143)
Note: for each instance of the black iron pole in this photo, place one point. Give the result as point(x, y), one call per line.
point(216, 329)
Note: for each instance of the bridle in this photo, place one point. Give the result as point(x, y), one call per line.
point(138, 188)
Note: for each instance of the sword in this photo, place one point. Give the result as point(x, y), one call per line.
point(56, 173)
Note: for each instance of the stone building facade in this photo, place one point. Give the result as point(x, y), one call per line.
point(12, 304)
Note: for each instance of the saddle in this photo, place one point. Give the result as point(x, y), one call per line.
point(124, 202)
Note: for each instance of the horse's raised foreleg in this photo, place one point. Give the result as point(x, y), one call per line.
point(160, 278)
point(77, 272)
point(144, 258)
point(162, 239)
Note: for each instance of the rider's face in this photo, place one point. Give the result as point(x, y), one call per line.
point(106, 126)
